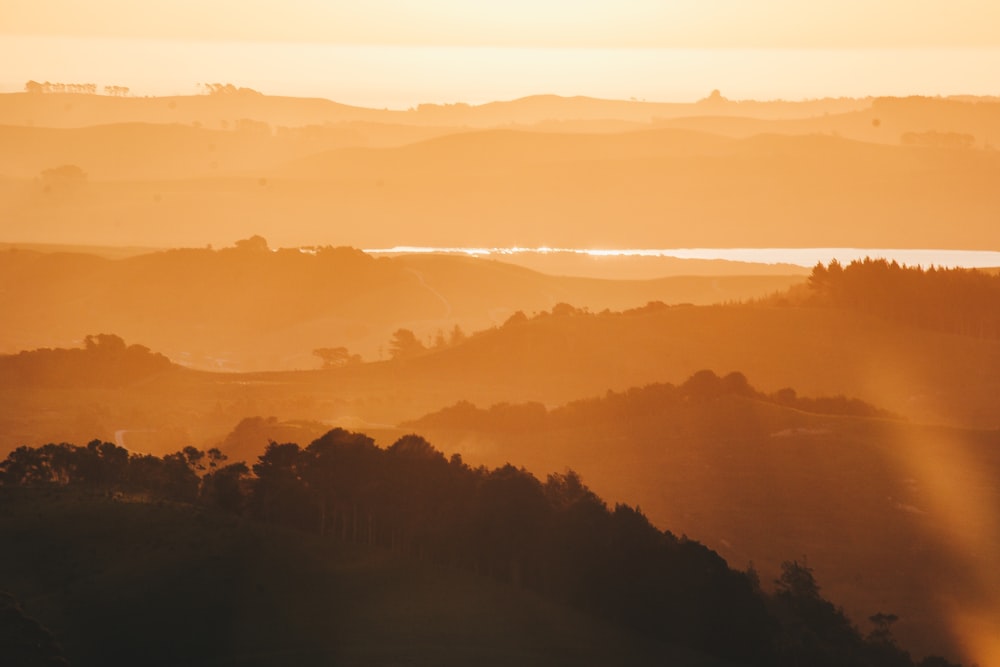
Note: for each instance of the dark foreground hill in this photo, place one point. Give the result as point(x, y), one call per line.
point(133, 558)
point(896, 516)
point(130, 583)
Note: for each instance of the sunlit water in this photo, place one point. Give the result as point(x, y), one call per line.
point(806, 257)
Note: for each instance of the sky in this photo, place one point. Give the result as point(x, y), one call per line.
point(400, 52)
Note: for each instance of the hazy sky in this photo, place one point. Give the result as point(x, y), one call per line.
point(630, 23)
point(393, 52)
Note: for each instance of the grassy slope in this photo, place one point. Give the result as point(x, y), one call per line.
point(132, 583)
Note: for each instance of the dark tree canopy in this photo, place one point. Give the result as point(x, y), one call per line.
point(555, 537)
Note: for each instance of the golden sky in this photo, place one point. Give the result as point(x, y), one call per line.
point(567, 23)
point(401, 52)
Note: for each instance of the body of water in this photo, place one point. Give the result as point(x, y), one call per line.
point(805, 257)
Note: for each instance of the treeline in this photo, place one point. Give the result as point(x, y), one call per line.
point(37, 87)
point(659, 399)
point(960, 301)
point(105, 360)
point(555, 537)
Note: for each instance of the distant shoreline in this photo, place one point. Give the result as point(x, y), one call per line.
point(793, 258)
point(802, 257)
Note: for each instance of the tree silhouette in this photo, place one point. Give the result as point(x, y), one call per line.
point(336, 357)
point(226, 487)
point(405, 344)
point(558, 538)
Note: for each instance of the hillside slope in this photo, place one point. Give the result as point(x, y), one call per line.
point(248, 309)
point(132, 583)
point(896, 517)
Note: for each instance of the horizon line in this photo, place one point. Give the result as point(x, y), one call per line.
point(803, 257)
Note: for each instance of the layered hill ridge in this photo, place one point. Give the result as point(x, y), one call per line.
point(753, 475)
point(75, 110)
point(822, 346)
point(883, 173)
point(247, 308)
point(554, 358)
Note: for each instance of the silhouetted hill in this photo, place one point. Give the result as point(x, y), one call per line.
point(104, 361)
point(248, 308)
point(782, 191)
point(552, 358)
point(76, 110)
point(887, 120)
point(147, 151)
point(767, 190)
point(786, 188)
point(126, 583)
point(250, 437)
point(495, 149)
point(555, 537)
point(872, 502)
point(559, 356)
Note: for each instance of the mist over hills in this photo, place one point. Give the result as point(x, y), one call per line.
point(554, 357)
point(880, 173)
point(867, 441)
point(883, 352)
point(76, 110)
point(246, 308)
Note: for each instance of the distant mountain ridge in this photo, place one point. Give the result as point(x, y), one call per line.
point(69, 110)
point(650, 188)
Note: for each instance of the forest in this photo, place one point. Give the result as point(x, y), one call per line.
point(958, 301)
point(554, 537)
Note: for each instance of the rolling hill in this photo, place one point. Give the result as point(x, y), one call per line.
point(504, 188)
point(883, 175)
point(893, 515)
point(250, 309)
point(121, 583)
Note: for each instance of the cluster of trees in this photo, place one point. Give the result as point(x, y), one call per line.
point(555, 537)
point(227, 89)
point(105, 360)
point(336, 357)
point(404, 344)
point(77, 88)
point(960, 301)
point(106, 468)
point(659, 399)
